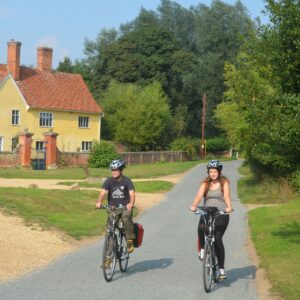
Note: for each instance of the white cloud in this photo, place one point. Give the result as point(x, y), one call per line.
point(49, 41)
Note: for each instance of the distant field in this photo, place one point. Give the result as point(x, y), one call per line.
point(151, 186)
point(135, 171)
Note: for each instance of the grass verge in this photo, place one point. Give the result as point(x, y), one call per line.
point(265, 190)
point(70, 211)
point(152, 186)
point(276, 235)
point(275, 230)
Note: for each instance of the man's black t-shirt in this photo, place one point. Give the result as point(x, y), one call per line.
point(118, 190)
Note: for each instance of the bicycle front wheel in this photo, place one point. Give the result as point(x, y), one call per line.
point(123, 255)
point(109, 257)
point(207, 267)
point(216, 271)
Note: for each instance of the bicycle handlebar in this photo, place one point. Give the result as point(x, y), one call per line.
point(112, 207)
point(202, 211)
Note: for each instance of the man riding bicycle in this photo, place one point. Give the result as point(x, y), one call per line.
point(120, 190)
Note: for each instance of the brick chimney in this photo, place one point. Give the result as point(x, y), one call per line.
point(13, 58)
point(44, 58)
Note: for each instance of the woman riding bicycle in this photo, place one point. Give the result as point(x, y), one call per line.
point(216, 192)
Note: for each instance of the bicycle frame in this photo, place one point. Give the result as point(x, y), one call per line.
point(118, 249)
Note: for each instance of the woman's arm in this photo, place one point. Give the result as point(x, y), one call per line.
point(227, 196)
point(198, 197)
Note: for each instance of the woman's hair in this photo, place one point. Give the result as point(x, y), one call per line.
point(222, 179)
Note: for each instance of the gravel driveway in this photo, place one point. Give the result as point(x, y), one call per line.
point(166, 267)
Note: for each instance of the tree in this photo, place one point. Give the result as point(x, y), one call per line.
point(136, 116)
point(65, 65)
point(281, 41)
point(183, 49)
point(258, 113)
point(220, 30)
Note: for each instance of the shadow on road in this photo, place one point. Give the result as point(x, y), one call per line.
point(237, 274)
point(147, 265)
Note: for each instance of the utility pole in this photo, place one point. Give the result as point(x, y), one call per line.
point(203, 126)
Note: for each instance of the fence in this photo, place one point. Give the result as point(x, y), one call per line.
point(151, 157)
point(72, 159)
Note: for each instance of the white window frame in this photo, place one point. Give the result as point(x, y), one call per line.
point(86, 146)
point(15, 116)
point(83, 122)
point(1, 143)
point(39, 145)
point(46, 119)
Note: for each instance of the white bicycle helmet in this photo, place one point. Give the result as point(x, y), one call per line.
point(117, 164)
point(214, 164)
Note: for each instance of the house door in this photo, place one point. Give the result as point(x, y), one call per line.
point(38, 157)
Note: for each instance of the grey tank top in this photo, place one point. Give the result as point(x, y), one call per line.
point(215, 198)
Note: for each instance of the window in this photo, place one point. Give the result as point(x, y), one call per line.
point(15, 117)
point(86, 146)
point(46, 119)
point(83, 122)
point(14, 142)
point(39, 146)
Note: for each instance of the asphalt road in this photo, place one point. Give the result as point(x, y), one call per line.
point(165, 267)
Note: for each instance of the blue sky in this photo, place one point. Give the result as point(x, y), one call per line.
point(64, 24)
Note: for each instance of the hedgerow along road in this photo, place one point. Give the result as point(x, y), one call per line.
point(165, 267)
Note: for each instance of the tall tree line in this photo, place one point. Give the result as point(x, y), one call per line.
point(261, 111)
point(183, 49)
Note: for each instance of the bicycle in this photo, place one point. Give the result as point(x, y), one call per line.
point(210, 261)
point(116, 243)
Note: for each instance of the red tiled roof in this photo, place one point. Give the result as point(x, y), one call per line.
point(54, 90)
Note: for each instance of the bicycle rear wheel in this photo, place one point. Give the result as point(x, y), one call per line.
point(109, 257)
point(123, 255)
point(207, 267)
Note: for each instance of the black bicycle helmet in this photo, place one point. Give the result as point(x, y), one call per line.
point(117, 164)
point(214, 164)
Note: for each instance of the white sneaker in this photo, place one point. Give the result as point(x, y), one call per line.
point(201, 254)
point(223, 275)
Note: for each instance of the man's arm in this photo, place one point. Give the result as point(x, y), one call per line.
point(132, 200)
point(101, 197)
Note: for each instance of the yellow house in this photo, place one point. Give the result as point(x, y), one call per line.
point(38, 100)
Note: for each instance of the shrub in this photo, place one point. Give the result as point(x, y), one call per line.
point(102, 154)
point(217, 144)
point(188, 145)
point(295, 180)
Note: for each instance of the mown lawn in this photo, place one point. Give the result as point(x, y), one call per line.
point(70, 211)
point(134, 171)
point(275, 230)
point(152, 186)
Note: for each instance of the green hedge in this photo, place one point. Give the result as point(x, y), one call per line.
point(102, 154)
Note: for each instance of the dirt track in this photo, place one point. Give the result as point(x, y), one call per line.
point(25, 248)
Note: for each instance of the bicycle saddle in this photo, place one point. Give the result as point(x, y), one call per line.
point(210, 209)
